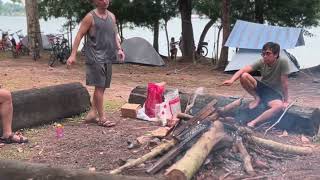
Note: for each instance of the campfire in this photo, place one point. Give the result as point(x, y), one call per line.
point(193, 138)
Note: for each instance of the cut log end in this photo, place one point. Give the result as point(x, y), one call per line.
point(176, 175)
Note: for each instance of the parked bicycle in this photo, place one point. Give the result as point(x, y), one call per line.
point(60, 50)
point(18, 48)
point(202, 51)
point(5, 43)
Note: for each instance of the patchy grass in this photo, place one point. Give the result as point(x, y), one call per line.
point(113, 105)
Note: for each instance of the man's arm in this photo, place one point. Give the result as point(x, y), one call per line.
point(118, 39)
point(237, 75)
point(84, 28)
point(284, 82)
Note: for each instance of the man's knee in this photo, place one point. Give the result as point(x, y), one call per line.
point(245, 76)
point(276, 105)
point(5, 95)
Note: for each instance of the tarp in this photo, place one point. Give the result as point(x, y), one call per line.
point(140, 51)
point(250, 35)
point(249, 56)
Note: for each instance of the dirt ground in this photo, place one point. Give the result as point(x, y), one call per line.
point(87, 146)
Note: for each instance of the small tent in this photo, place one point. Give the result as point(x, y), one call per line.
point(249, 38)
point(140, 51)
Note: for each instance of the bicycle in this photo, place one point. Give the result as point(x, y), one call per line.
point(18, 48)
point(202, 51)
point(5, 43)
point(60, 50)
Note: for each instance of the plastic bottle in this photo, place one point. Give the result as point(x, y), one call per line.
point(59, 131)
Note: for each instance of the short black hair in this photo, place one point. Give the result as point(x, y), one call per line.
point(274, 47)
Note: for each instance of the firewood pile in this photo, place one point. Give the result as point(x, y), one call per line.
point(194, 138)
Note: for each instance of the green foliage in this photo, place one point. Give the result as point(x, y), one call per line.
point(76, 9)
point(296, 13)
point(11, 9)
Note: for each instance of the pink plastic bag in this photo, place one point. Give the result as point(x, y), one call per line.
point(154, 96)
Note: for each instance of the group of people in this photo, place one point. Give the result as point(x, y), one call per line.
point(103, 47)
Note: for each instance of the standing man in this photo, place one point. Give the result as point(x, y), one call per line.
point(6, 112)
point(273, 87)
point(101, 48)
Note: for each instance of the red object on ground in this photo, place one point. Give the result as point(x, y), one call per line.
point(154, 96)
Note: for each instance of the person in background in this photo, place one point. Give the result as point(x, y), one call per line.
point(173, 49)
point(273, 87)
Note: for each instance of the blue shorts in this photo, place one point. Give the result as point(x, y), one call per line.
point(266, 93)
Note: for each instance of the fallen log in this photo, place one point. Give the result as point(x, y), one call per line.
point(22, 170)
point(40, 106)
point(153, 153)
point(187, 166)
point(244, 156)
point(298, 119)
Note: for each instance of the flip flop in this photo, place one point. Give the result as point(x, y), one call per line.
point(106, 123)
point(11, 139)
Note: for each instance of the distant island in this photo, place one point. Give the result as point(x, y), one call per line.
point(11, 9)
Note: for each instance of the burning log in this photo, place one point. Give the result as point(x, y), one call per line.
point(186, 140)
point(154, 152)
point(186, 167)
point(285, 148)
point(299, 119)
point(202, 114)
point(244, 156)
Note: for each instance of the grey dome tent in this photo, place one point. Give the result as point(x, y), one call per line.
point(250, 37)
point(140, 51)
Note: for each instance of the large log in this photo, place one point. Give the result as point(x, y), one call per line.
point(298, 119)
point(21, 170)
point(39, 106)
point(187, 166)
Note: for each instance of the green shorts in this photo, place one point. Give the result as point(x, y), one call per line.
point(99, 75)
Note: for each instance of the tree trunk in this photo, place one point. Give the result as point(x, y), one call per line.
point(204, 33)
point(40, 106)
point(298, 119)
point(258, 10)
point(156, 35)
point(33, 25)
point(167, 36)
point(187, 166)
point(218, 42)
point(223, 60)
point(153, 153)
point(185, 7)
point(22, 170)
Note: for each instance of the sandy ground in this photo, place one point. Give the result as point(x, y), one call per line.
point(85, 146)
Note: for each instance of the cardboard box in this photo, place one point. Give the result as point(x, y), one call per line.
point(130, 110)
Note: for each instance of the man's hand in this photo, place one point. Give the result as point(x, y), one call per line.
point(71, 60)
point(227, 82)
point(121, 55)
point(285, 104)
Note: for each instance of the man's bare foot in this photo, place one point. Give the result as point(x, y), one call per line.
point(253, 104)
point(91, 117)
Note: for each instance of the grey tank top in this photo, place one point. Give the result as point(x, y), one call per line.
point(101, 42)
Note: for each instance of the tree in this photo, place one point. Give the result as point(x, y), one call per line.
point(33, 26)
point(185, 7)
point(223, 60)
